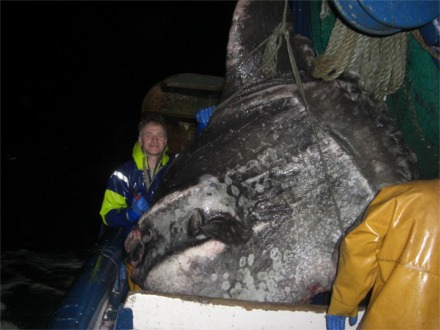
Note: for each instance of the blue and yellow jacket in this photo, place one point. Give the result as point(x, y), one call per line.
point(127, 180)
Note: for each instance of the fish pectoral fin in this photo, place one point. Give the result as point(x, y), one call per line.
point(228, 231)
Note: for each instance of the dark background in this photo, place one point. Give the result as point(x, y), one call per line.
point(73, 78)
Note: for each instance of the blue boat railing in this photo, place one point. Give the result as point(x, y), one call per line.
point(100, 287)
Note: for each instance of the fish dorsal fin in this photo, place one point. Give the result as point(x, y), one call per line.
point(253, 35)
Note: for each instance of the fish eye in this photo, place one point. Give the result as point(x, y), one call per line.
point(147, 235)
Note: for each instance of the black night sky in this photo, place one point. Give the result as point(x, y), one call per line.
point(73, 78)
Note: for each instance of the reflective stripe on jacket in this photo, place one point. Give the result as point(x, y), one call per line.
point(395, 251)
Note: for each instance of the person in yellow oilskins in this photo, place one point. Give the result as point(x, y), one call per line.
point(395, 251)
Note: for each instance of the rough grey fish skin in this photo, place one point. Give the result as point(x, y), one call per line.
point(249, 212)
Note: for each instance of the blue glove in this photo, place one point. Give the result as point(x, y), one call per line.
point(337, 322)
point(138, 207)
point(202, 118)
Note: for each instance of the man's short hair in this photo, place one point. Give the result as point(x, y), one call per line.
point(152, 117)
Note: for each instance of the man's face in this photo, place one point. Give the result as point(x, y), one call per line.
point(153, 139)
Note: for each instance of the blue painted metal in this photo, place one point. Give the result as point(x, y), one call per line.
point(86, 301)
point(402, 14)
point(125, 319)
point(386, 17)
point(431, 36)
point(356, 16)
point(301, 17)
point(431, 33)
